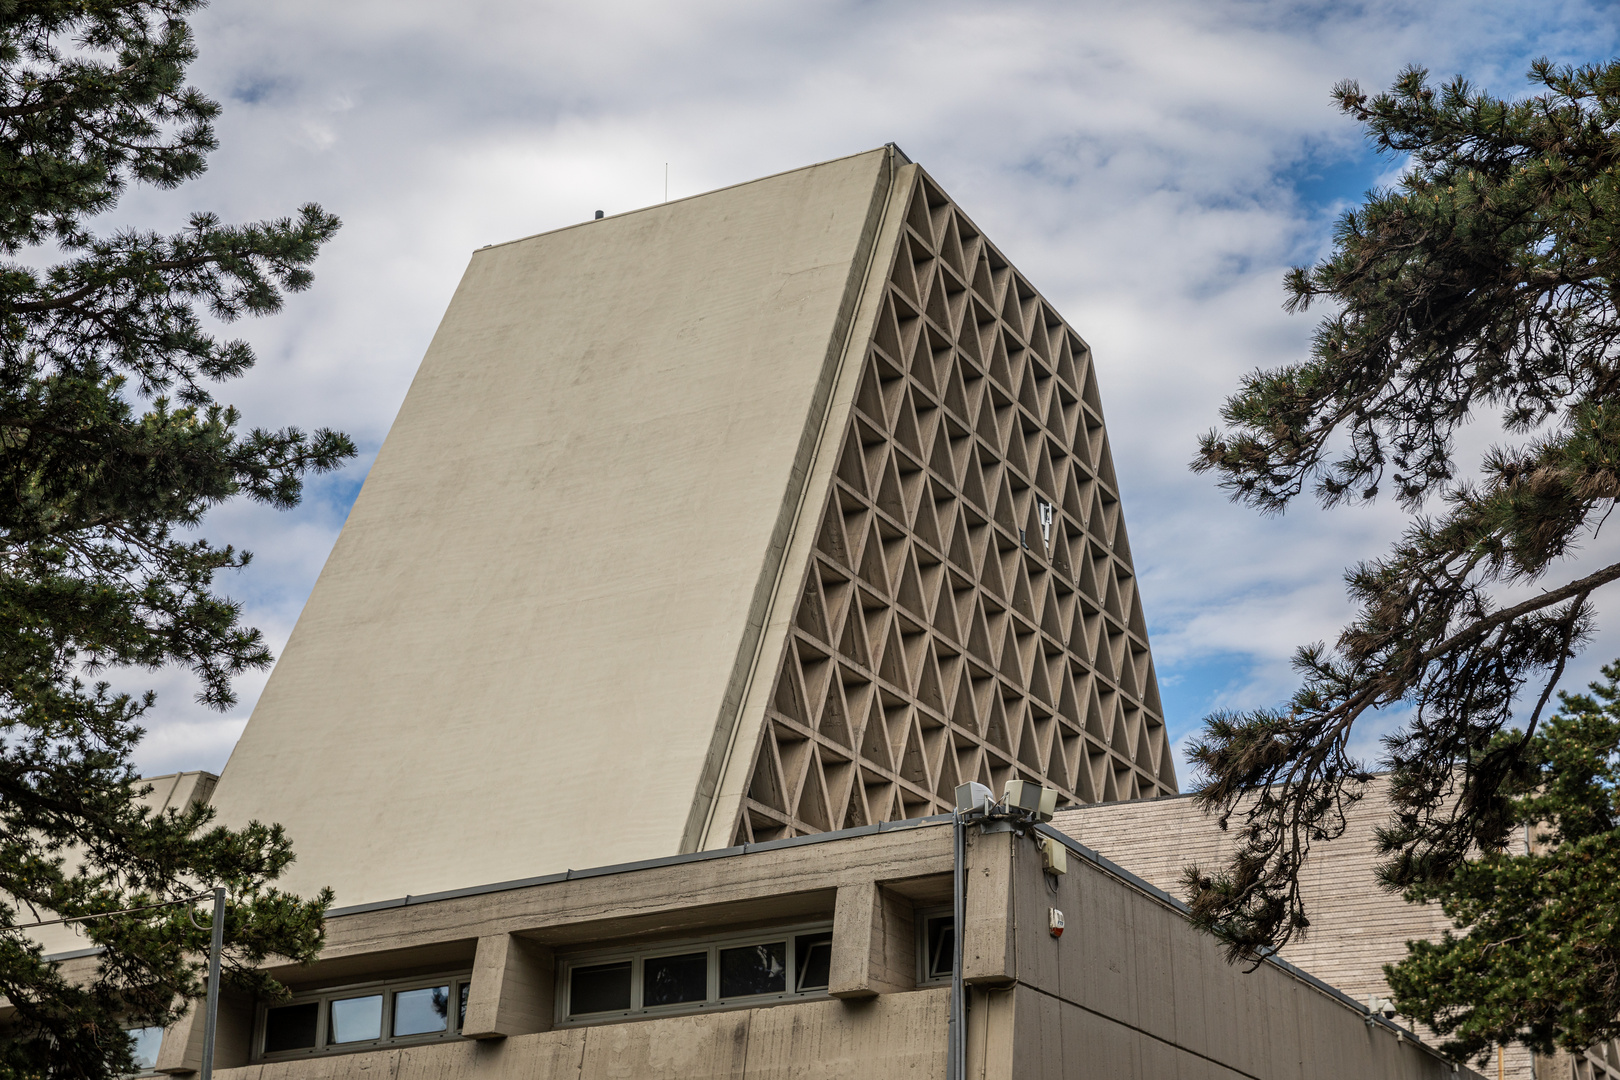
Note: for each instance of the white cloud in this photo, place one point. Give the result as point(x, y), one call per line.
point(1136, 161)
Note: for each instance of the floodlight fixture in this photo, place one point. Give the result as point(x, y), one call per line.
point(974, 796)
point(1037, 801)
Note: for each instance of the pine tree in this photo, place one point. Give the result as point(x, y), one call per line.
point(1483, 284)
point(1537, 960)
point(112, 450)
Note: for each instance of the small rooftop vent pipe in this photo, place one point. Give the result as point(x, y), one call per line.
point(599, 215)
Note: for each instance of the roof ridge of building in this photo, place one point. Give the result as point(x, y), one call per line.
point(698, 195)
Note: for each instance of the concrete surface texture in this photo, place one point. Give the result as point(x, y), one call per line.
point(1132, 990)
point(897, 1037)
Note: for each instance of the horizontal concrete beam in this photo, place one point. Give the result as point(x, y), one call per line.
point(785, 883)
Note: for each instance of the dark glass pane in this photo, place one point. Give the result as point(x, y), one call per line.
point(602, 988)
point(672, 980)
point(357, 1019)
point(421, 1012)
point(813, 955)
point(461, 1018)
point(291, 1027)
point(753, 969)
point(941, 946)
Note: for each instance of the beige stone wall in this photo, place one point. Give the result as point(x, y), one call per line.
point(1356, 928)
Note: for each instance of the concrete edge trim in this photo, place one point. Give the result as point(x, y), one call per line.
point(1114, 870)
point(643, 864)
point(769, 585)
point(1136, 803)
point(74, 954)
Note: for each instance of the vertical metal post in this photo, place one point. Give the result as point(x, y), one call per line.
point(956, 1061)
point(211, 1017)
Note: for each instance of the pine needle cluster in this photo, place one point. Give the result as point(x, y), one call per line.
point(1537, 958)
point(1483, 284)
point(112, 451)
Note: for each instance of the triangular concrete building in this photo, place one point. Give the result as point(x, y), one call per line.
point(776, 510)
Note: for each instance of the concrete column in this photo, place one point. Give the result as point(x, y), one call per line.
point(990, 1033)
point(874, 948)
point(987, 933)
point(513, 988)
point(182, 1047)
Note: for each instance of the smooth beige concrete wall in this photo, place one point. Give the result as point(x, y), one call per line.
point(1132, 990)
point(898, 1036)
point(524, 642)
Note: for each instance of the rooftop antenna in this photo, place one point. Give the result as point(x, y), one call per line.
point(666, 181)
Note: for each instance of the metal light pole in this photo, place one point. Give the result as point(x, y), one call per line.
point(956, 1062)
point(211, 1017)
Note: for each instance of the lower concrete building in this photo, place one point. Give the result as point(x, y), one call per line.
point(823, 956)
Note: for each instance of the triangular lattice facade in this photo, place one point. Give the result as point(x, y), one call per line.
point(969, 611)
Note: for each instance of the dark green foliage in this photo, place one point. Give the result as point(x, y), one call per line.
point(1483, 284)
point(112, 449)
point(1538, 960)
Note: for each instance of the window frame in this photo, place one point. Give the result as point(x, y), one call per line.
point(388, 989)
point(925, 916)
point(710, 943)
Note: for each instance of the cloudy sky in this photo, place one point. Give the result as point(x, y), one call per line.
point(1153, 168)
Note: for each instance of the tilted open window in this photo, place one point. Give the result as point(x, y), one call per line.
point(936, 946)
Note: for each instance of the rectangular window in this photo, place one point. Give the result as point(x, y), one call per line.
point(675, 980)
point(357, 1019)
point(291, 1027)
point(361, 1017)
point(936, 947)
point(143, 1046)
point(735, 969)
point(422, 1012)
point(751, 970)
point(601, 988)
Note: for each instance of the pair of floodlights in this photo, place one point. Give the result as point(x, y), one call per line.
point(1021, 798)
point(1021, 801)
